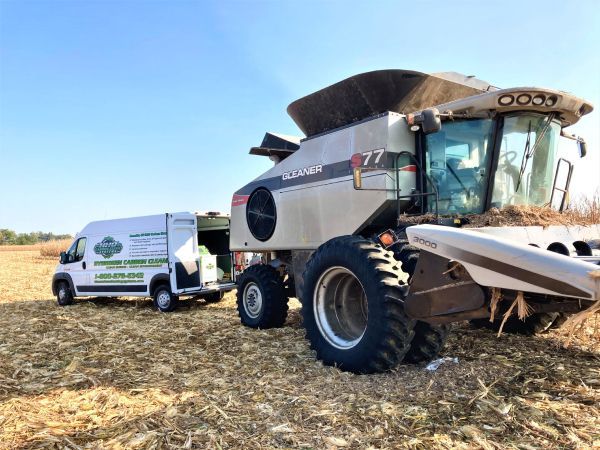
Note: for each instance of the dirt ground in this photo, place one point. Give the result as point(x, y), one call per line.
point(116, 374)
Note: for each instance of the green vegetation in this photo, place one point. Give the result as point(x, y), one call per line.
point(9, 237)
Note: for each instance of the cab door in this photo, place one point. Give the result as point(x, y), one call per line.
point(76, 266)
point(184, 259)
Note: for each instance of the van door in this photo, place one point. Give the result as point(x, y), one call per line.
point(184, 261)
point(75, 265)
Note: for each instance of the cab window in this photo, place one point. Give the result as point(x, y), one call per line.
point(456, 162)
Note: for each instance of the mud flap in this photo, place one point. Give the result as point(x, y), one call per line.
point(440, 288)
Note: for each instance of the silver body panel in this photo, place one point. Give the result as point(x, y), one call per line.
point(310, 213)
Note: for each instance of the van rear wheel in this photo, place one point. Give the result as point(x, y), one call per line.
point(164, 300)
point(64, 296)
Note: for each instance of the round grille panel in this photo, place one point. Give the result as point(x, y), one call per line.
point(261, 214)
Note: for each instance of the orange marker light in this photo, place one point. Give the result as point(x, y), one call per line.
point(386, 239)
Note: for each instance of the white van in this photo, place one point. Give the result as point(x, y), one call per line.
point(152, 256)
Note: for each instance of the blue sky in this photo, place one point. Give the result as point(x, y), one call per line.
point(121, 108)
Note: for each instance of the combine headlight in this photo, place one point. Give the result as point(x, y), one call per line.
point(538, 100)
point(523, 99)
point(551, 101)
point(506, 100)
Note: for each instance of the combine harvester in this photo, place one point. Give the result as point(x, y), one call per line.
point(335, 217)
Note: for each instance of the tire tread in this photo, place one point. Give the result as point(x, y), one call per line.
point(396, 331)
point(275, 302)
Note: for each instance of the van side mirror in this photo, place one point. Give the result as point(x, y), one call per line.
point(63, 257)
point(428, 119)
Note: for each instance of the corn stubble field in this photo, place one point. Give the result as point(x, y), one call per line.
point(116, 374)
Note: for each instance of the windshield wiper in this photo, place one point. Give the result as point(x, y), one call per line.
point(527, 152)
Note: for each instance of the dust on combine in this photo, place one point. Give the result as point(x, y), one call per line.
point(107, 374)
point(585, 212)
point(530, 215)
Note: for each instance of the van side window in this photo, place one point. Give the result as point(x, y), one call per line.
point(71, 252)
point(80, 249)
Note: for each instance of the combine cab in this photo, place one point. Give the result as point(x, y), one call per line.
point(334, 218)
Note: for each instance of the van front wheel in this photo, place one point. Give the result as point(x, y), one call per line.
point(164, 300)
point(64, 296)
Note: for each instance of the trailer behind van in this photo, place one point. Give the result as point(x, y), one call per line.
point(164, 256)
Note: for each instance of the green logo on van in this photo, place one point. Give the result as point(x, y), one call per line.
point(108, 247)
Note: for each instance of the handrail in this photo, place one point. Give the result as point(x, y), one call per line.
point(397, 189)
point(565, 191)
point(421, 194)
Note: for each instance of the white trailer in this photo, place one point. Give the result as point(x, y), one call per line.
point(151, 256)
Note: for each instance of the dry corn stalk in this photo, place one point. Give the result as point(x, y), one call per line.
point(577, 321)
point(523, 310)
point(496, 297)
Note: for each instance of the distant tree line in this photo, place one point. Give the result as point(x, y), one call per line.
point(9, 237)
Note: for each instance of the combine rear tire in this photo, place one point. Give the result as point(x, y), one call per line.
point(261, 302)
point(429, 339)
point(352, 306)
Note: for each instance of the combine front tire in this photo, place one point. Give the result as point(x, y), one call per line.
point(261, 302)
point(427, 343)
point(352, 306)
point(429, 339)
